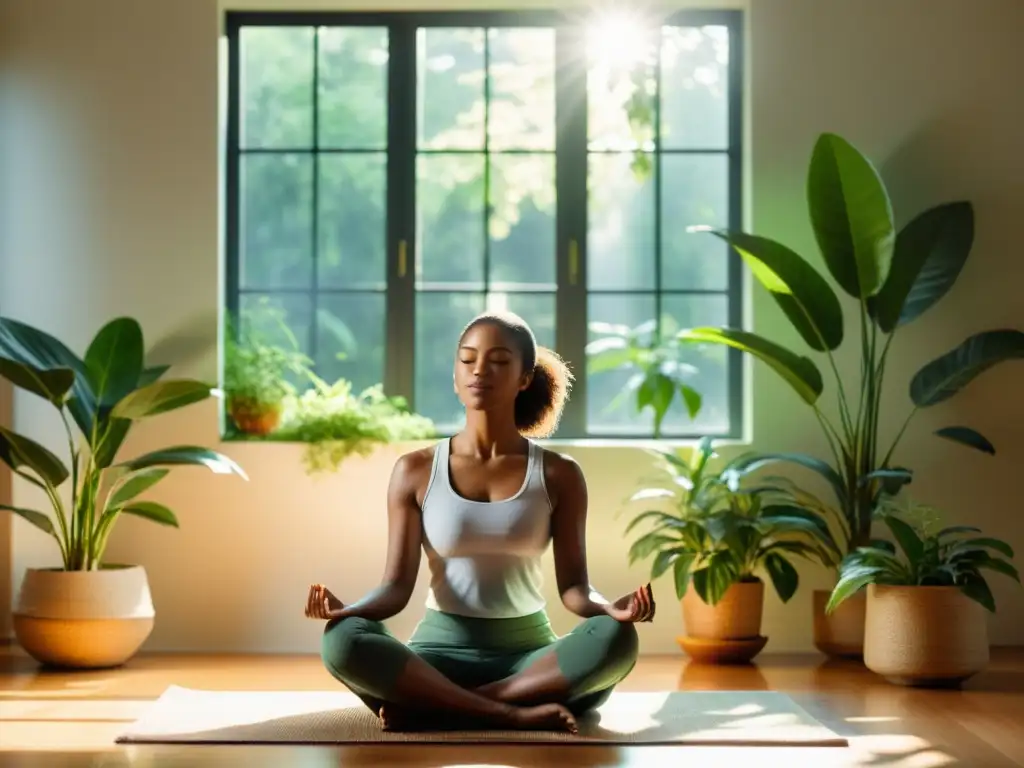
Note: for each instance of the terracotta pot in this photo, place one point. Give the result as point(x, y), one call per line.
point(737, 616)
point(255, 418)
point(840, 634)
point(84, 619)
point(924, 636)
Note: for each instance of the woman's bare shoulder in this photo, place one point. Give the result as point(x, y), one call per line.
point(412, 471)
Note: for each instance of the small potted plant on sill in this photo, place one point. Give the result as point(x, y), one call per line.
point(718, 540)
point(256, 374)
point(926, 597)
point(88, 613)
point(894, 277)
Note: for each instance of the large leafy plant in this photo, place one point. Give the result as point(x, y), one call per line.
point(717, 532)
point(894, 277)
point(655, 359)
point(931, 556)
point(105, 393)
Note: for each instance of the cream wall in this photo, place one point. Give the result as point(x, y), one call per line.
point(110, 207)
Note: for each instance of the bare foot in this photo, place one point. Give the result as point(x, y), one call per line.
point(546, 717)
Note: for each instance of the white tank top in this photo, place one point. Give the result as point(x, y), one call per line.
point(485, 557)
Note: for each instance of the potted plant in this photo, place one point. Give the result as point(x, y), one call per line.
point(256, 378)
point(88, 613)
point(926, 597)
point(723, 538)
point(894, 278)
point(335, 423)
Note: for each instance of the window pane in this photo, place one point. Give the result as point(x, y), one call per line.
point(537, 309)
point(620, 56)
point(620, 226)
point(711, 362)
point(450, 219)
point(521, 113)
point(353, 103)
point(440, 318)
point(695, 190)
point(277, 221)
point(350, 341)
point(450, 90)
point(282, 321)
point(610, 412)
point(522, 220)
point(352, 202)
point(276, 87)
point(695, 88)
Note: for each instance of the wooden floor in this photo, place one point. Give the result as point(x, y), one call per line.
point(58, 719)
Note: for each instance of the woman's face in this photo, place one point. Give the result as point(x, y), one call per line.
point(489, 369)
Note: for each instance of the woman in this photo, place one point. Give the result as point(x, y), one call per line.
point(484, 506)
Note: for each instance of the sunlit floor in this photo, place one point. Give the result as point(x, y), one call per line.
point(58, 719)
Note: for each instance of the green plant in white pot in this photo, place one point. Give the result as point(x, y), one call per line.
point(926, 596)
point(88, 613)
point(894, 276)
point(718, 539)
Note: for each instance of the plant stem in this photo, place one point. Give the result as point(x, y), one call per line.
point(844, 406)
point(899, 434)
point(829, 430)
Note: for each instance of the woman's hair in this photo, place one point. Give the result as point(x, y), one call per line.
point(538, 408)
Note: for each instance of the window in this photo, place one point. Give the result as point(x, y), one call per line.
point(390, 175)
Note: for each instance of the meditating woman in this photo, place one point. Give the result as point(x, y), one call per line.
point(484, 505)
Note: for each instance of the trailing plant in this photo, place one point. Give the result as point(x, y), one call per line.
point(894, 277)
point(927, 556)
point(656, 360)
point(716, 532)
point(337, 423)
point(105, 393)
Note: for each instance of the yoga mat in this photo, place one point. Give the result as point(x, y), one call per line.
point(731, 718)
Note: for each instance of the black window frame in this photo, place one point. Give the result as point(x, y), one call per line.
point(571, 153)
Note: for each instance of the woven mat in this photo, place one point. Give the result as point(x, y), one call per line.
point(754, 718)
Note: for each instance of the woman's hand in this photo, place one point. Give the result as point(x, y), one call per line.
point(321, 603)
point(635, 607)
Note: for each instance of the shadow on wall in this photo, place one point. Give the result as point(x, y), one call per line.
point(6, 522)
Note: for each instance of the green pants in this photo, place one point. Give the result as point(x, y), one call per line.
point(368, 659)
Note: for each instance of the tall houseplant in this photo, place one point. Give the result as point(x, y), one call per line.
point(894, 277)
point(718, 538)
point(104, 394)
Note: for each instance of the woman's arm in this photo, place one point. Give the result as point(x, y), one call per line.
point(568, 490)
point(404, 539)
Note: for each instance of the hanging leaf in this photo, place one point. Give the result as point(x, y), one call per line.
point(52, 385)
point(186, 455)
point(19, 451)
point(944, 376)
point(114, 360)
point(150, 510)
point(692, 398)
point(967, 436)
point(38, 519)
point(161, 397)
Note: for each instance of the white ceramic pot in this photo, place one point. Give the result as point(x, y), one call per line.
point(84, 619)
point(924, 636)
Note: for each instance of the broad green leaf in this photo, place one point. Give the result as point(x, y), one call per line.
point(851, 215)
point(38, 519)
point(25, 452)
point(984, 541)
point(152, 374)
point(114, 360)
point(906, 537)
point(186, 455)
point(645, 494)
point(930, 252)
point(648, 544)
point(955, 529)
point(903, 475)
point(978, 590)
point(39, 349)
point(681, 573)
point(720, 574)
point(944, 376)
point(852, 579)
point(751, 462)
point(111, 439)
point(150, 510)
point(656, 391)
point(800, 291)
point(160, 397)
point(52, 384)
point(663, 518)
point(136, 483)
point(794, 518)
point(609, 354)
point(967, 436)
point(784, 577)
point(662, 562)
point(1000, 566)
point(800, 372)
point(692, 398)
